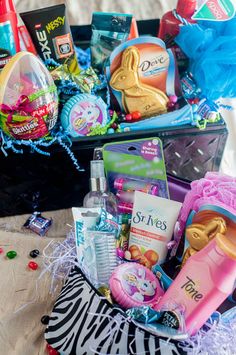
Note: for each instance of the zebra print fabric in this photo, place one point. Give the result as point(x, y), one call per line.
point(82, 323)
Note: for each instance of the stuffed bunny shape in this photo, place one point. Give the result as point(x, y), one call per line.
point(136, 96)
point(199, 235)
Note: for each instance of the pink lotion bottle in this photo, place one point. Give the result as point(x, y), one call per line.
point(205, 281)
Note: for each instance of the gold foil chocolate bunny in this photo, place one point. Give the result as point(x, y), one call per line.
point(199, 235)
point(137, 96)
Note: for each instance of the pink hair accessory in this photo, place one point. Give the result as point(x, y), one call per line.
point(134, 285)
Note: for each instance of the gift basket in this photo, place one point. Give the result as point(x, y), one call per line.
point(150, 264)
point(190, 126)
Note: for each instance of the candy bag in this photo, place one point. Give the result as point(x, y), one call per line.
point(109, 30)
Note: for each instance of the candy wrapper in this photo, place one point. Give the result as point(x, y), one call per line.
point(107, 223)
point(105, 291)
point(159, 323)
point(38, 224)
point(86, 80)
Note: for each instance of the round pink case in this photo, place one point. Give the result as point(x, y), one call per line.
point(134, 285)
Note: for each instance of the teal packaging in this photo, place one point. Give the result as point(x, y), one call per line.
point(109, 30)
point(180, 117)
point(7, 43)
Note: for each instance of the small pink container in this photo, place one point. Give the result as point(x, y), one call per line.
point(133, 285)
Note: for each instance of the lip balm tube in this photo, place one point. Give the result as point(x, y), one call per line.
point(125, 208)
point(135, 185)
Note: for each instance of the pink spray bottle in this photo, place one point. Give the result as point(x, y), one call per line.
point(205, 281)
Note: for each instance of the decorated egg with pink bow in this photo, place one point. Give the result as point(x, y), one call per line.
point(28, 98)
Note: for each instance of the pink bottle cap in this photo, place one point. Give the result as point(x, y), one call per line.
point(118, 183)
point(133, 285)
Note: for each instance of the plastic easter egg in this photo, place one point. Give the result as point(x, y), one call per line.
point(82, 113)
point(28, 98)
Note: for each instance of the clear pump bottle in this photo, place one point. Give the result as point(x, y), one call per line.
point(99, 196)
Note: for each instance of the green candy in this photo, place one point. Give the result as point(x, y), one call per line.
point(11, 254)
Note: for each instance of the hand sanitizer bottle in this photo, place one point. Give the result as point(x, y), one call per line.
point(99, 196)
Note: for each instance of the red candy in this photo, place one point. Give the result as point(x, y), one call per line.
point(194, 101)
point(136, 115)
point(32, 265)
point(114, 125)
point(1, 250)
point(128, 117)
point(51, 351)
point(170, 104)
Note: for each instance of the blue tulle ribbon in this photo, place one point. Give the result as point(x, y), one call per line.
point(35, 146)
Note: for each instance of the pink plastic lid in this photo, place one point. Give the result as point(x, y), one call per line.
point(134, 285)
point(118, 183)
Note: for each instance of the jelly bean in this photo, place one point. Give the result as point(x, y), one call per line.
point(136, 115)
point(110, 131)
point(53, 352)
point(34, 253)
point(11, 254)
point(114, 125)
point(111, 112)
point(170, 104)
point(45, 319)
point(32, 265)
point(196, 100)
point(1, 250)
point(128, 117)
point(191, 101)
point(173, 98)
